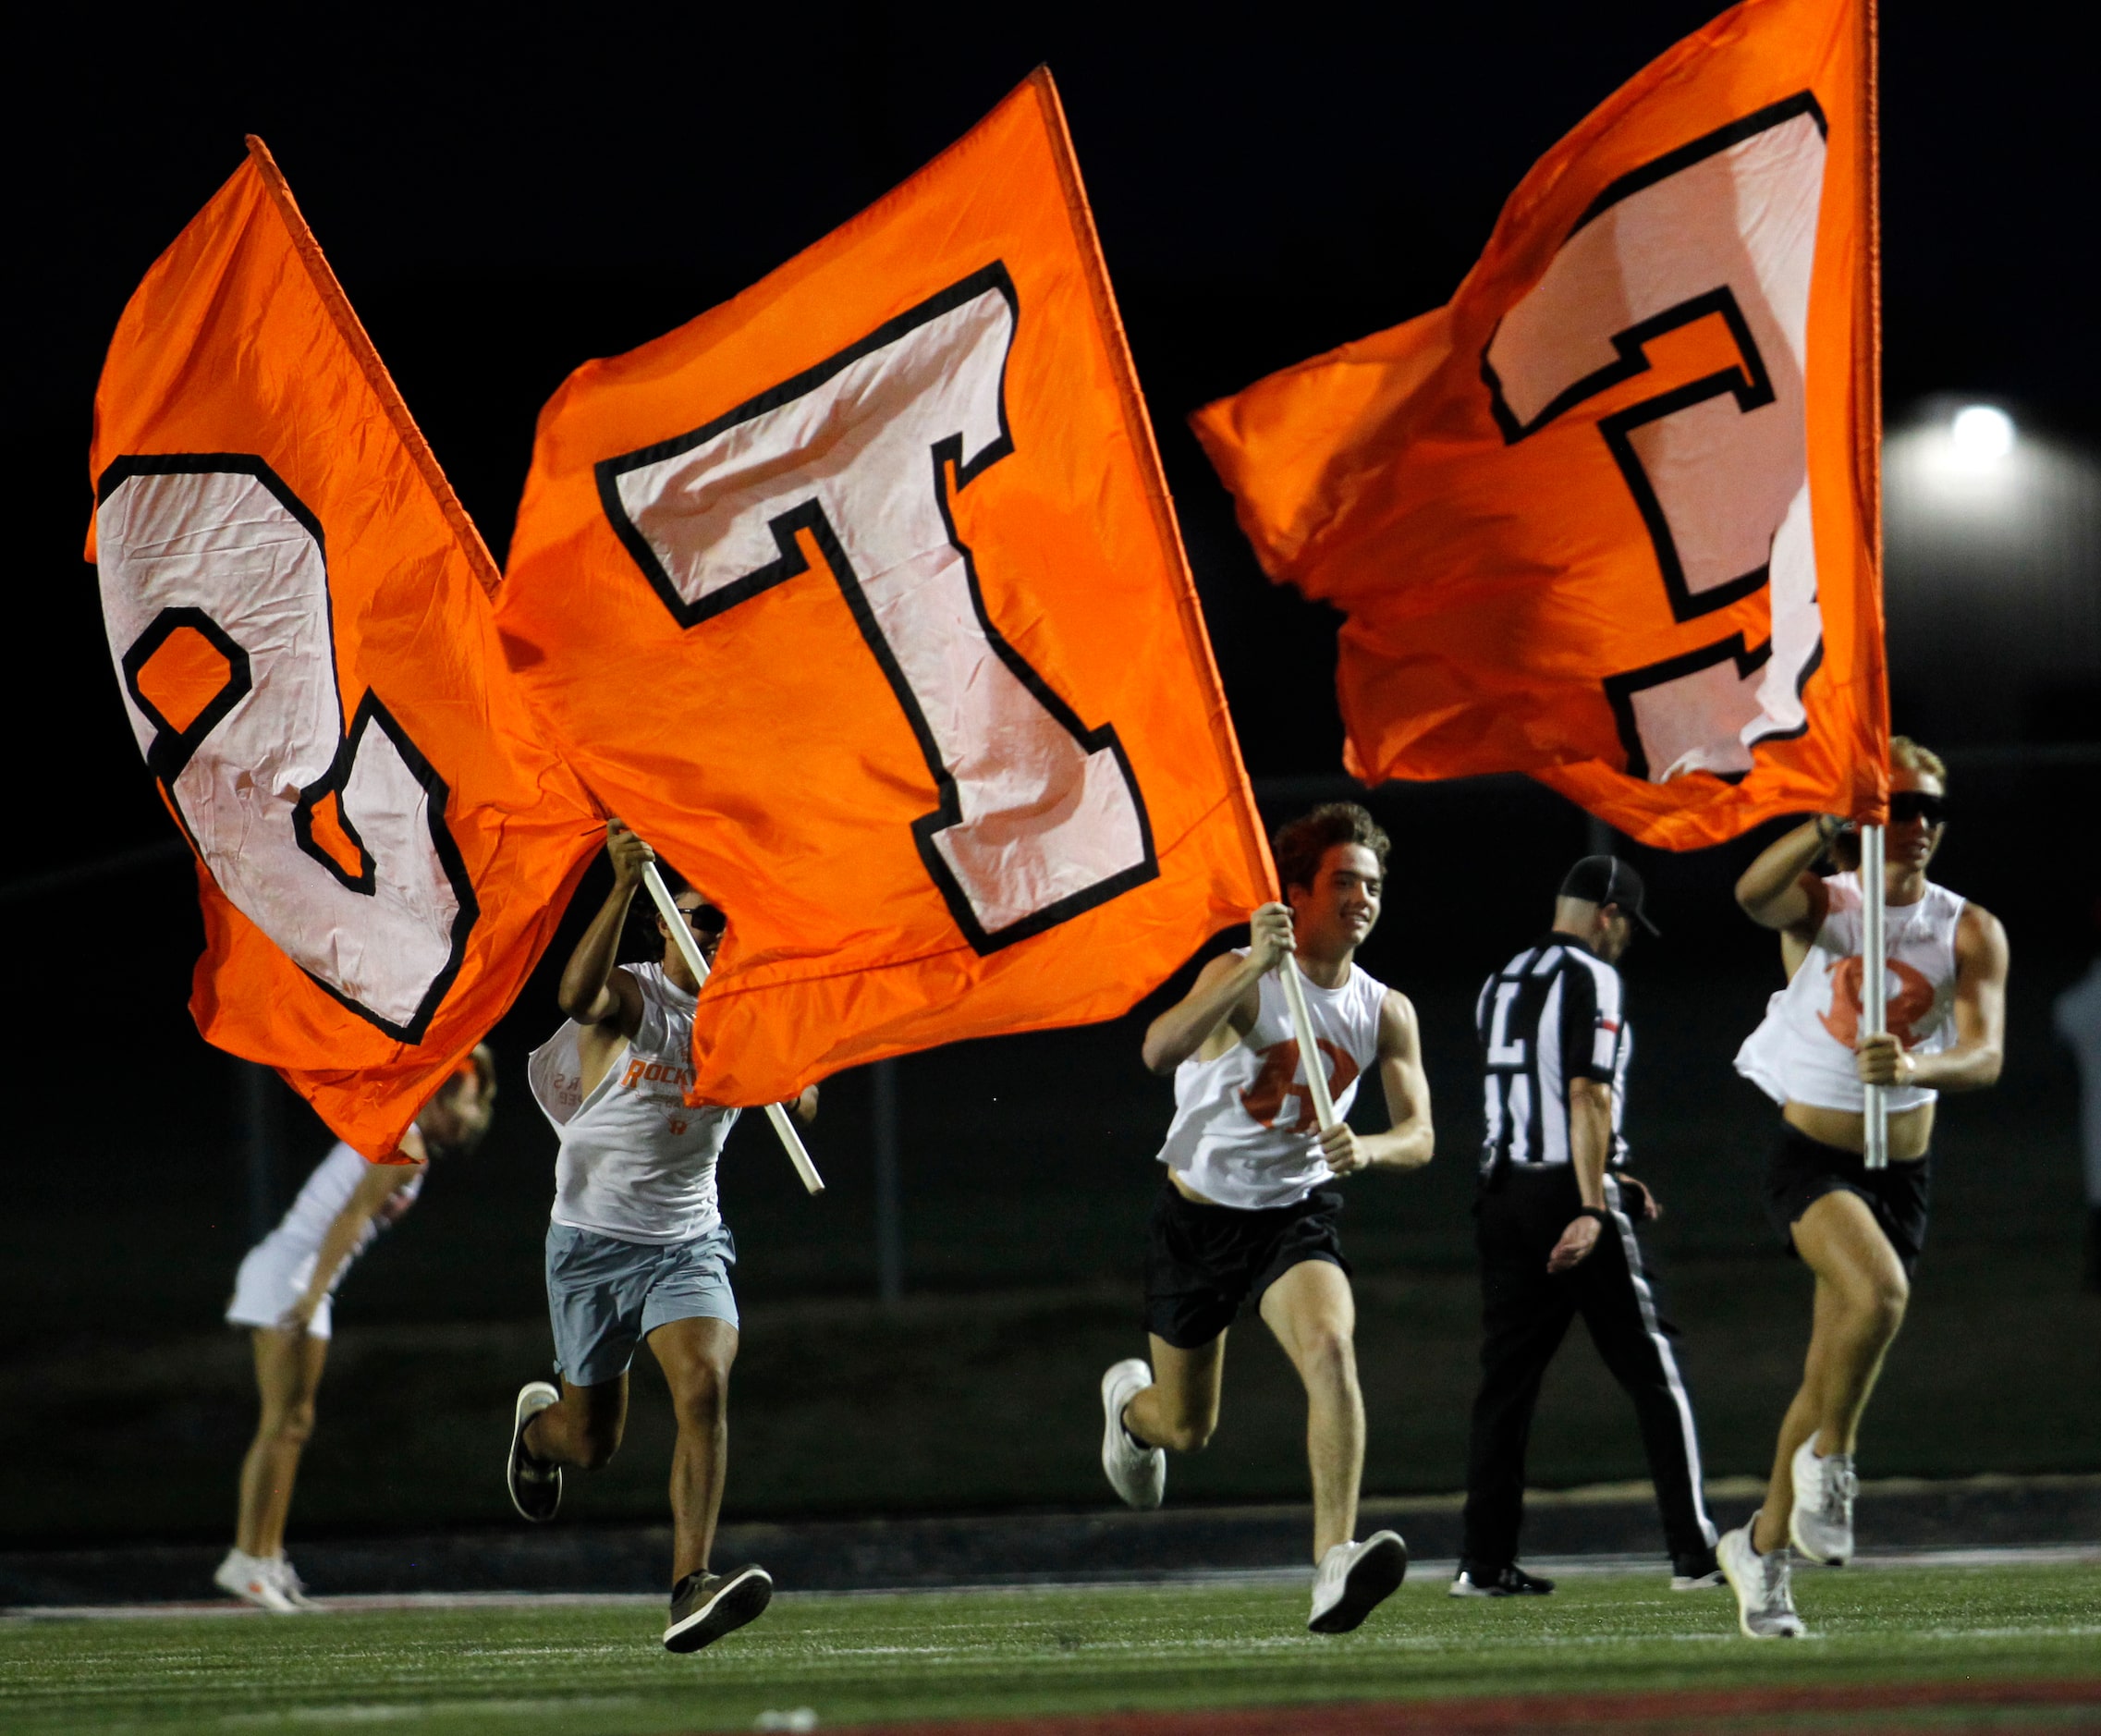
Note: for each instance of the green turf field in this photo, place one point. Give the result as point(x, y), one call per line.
point(579, 1669)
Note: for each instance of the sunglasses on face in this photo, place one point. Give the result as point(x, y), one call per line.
point(704, 919)
point(1917, 804)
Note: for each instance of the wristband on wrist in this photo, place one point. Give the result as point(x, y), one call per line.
point(1597, 1212)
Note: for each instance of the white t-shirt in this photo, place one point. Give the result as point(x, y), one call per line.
point(1244, 1133)
point(636, 1163)
point(1803, 1050)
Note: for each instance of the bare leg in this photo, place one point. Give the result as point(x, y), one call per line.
point(695, 1356)
point(1861, 1295)
point(1179, 1409)
point(288, 1372)
point(1314, 1314)
point(583, 1427)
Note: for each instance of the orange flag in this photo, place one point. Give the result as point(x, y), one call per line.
point(1612, 516)
point(298, 609)
point(861, 597)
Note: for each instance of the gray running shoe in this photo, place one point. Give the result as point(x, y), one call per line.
point(1821, 1525)
point(705, 1606)
point(1136, 1471)
point(535, 1484)
point(1765, 1599)
point(1354, 1579)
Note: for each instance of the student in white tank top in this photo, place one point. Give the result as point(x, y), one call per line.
point(1860, 1230)
point(637, 1252)
point(1246, 1212)
point(285, 1294)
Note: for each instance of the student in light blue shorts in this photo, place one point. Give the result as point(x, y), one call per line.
point(637, 1251)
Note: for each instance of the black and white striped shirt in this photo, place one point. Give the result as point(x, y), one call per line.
point(1550, 1015)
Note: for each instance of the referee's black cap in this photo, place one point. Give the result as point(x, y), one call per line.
point(1607, 880)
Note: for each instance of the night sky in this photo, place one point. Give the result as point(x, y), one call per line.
point(505, 192)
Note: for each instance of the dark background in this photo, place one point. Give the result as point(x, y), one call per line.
point(508, 192)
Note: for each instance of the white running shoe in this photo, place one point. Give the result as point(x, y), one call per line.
point(289, 1582)
point(1354, 1579)
point(1765, 1599)
point(1136, 1471)
point(1821, 1525)
point(252, 1578)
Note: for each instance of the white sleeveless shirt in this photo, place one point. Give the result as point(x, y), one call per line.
point(636, 1163)
point(1803, 1050)
point(1244, 1133)
point(327, 1191)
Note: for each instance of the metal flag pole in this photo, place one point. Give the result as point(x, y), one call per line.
point(690, 950)
point(1874, 968)
point(1309, 1051)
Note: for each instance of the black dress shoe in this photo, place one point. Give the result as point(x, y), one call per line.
point(1509, 1580)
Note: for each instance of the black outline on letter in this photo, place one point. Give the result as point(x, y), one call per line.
point(951, 474)
point(1750, 384)
point(172, 748)
point(171, 751)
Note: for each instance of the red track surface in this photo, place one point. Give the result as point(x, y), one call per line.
point(1857, 1711)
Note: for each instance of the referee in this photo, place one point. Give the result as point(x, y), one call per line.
point(1555, 1230)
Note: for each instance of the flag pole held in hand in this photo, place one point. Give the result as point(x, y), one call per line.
point(1874, 1001)
point(1309, 1051)
point(689, 949)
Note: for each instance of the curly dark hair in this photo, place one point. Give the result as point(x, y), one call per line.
point(1300, 845)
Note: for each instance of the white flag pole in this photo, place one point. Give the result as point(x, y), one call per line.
point(1874, 968)
point(1310, 1056)
point(690, 950)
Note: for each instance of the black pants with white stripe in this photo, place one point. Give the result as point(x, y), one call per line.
point(1525, 1311)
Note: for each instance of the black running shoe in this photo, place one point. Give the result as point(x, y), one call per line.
point(535, 1486)
point(1502, 1582)
point(705, 1606)
point(1695, 1572)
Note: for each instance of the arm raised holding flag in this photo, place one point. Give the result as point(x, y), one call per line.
point(1859, 1225)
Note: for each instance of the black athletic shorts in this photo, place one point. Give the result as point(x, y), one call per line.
point(1802, 1171)
point(1204, 1262)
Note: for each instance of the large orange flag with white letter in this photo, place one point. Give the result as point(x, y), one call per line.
point(299, 613)
point(861, 599)
point(1611, 516)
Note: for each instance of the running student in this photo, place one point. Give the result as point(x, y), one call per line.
point(1245, 1212)
point(637, 1251)
point(1555, 1218)
point(286, 1293)
point(1859, 1230)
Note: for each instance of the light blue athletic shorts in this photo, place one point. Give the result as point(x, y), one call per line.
point(604, 1295)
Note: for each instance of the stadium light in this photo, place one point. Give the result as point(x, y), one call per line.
point(1981, 434)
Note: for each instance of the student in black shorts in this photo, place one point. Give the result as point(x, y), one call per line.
point(1859, 1230)
point(1246, 1212)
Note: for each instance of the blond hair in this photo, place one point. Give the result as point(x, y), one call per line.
point(1912, 757)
